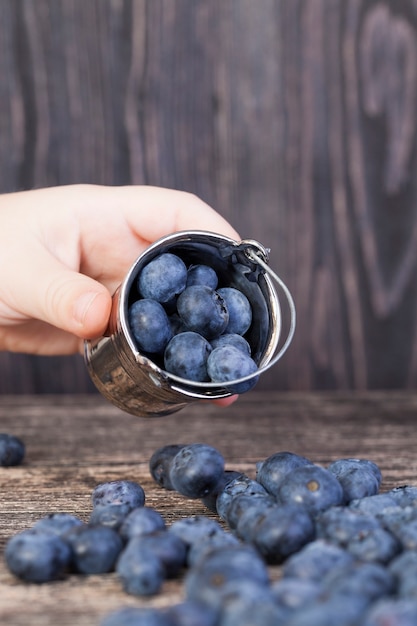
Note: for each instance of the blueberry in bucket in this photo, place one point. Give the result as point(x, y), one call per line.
point(150, 325)
point(203, 311)
point(228, 363)
point(240, 310)
point(163, 278)
point(186, 356)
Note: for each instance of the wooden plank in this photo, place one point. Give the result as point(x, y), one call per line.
point(75, 442)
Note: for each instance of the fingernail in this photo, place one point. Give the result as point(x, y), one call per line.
point(83, 304)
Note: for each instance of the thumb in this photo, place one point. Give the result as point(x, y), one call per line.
point(66, 299)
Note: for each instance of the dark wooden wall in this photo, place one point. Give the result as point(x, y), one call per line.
point(295, 119)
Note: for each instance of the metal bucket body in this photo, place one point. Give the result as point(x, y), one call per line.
point(140, 386)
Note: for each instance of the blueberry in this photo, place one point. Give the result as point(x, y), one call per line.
point(291, 594)
point(168, 547)
point(312, 486)
point(208, 544)
point(272, 471)
point(245, 602)
point(339, 466)
point(206, 580)
point(407, 534)
point(12, 450)
point(141, 521)
point(95, 549)
point(241, 503)
point(404, 569)
point(111, 515)
point(375, 545)
point(202, 275)
point(210, 501)
point(163, 278)
point(57, 523)
point(150, 326)
point(186, 356)
point(196, 529)
point(341, 524)
point(241, 484)
point(203, 311)
point(359, 478)
point(37, 556)
point(137, 616)
point(160, 463)
point(232, 339)
point(373, 505)
point(367, 580)
point(118, 492)
point(240, 310)
point(196, 470)
point(176, 323)
point(250, 518)
point(140, 572)
point(189, 613)
point(330, 609)
point(404, 495)
point(315, 560)
point(282, 531)
point(392, 612)
point(227, 363)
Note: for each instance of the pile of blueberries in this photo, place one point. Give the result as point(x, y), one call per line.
point(189, 325)
point(348, 552)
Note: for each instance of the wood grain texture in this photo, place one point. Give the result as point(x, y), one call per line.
point(296, 120)
point(75, 442)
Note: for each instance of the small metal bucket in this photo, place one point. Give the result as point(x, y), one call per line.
point(139, 386)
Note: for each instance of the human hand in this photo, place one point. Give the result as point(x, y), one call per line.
point(64, 250)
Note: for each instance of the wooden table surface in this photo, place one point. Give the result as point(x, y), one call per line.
point(76, 442)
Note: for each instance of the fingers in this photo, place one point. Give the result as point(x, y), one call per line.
point(154, 212)
point(49, 291)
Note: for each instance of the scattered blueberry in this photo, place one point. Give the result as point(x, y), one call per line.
point(210, 500)
point(208, 544)
point(57, 523)
point(206, 581)
point(163, 278)
point(190, 613)
point(168, 547)
point(95, 549)
point(392, 612)
point(272, 471)
point(196, 470)
point(195, 529)
point(140, 572)
point(111, 515)
point(141, 521)
point(282, 531)
point(312, 487)
point(37, 556)
point(160, 463)
point(118, 492)
point(12, 450)
point(315, 560)
point(359, 478)
point(239, 485)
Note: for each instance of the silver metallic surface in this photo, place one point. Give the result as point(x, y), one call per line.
point(133, 382)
